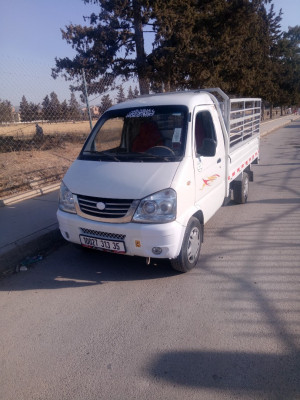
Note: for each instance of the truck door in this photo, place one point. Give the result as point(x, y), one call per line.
point(209, 165)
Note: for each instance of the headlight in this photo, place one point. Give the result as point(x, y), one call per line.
point(66, 200)
point(160, 207)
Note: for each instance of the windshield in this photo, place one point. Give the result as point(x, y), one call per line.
point(138, 134)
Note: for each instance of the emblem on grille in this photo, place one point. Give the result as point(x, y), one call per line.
point(100, 205)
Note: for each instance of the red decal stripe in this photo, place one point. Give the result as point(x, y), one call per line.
point(243, 165)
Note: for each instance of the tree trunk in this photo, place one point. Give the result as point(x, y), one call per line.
point(141, 61)
point(262, 111)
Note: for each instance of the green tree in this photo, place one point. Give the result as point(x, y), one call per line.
point(6, 111)
point(286, 68)
point(28, 111)
point(46, 109)
point(64, 111)
point(232, 44)
point(136, 92)
point(267, 85)
point(24, 107)
point(226, 43)
point(34, 111)
point(112, 45)
point(247, 36)
point(173, 49)
point(55, 107)
point(74, 108)
point(120, 95)
point(51, 107)
point(130, 94)
point(105, 103)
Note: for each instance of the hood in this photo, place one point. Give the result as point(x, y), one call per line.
point(122, 180)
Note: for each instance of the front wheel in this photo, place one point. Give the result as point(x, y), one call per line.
point(191, 245)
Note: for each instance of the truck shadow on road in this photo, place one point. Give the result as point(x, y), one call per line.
point(74, 267)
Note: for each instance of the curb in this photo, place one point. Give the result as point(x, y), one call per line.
point(41, 241)
point(282, 122)
point(29, 195)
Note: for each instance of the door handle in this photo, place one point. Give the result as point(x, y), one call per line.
point(219, 160)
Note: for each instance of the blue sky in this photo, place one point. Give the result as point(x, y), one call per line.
point(30, 39)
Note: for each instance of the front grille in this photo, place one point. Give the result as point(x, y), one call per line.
point(103, 235)
point(114, 208)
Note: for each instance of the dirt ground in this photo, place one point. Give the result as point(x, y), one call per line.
point(24, 170)
point(27, 163)
point(21, 171)
point(37, 162)
point(27, 129)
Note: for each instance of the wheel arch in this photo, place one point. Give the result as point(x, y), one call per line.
point(199, 215)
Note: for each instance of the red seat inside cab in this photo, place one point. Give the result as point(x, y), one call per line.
point(148, 136)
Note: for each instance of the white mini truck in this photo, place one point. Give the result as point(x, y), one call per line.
point(155, 169)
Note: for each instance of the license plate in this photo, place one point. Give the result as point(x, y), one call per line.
point(103, 244)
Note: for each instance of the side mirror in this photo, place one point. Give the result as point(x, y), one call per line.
point(208, 148)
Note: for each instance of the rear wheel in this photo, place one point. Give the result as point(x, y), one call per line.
point(241, 189)
point(191, 245)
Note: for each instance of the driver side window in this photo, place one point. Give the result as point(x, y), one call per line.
point(204, 129)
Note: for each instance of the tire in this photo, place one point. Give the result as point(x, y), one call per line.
point(190, 249)
point(241, 190)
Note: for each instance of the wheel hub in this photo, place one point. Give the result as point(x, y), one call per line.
point(193, 245)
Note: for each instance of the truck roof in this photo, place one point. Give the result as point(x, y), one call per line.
point(187, 98)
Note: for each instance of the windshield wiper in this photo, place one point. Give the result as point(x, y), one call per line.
point(120, 156)
point(111, 155)
point(101, 153)
point(157, 157)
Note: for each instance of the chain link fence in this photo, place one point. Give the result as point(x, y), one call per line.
point(43, 124)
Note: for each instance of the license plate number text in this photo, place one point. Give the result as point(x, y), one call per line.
point(103, 244)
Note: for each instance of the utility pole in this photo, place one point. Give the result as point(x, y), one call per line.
point(86, 98)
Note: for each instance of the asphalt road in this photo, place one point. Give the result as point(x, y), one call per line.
point(89, 325)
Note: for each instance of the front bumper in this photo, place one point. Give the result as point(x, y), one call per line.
point(139, 239)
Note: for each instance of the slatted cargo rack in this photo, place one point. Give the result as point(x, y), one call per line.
point(241, 116)
point(244, 119)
